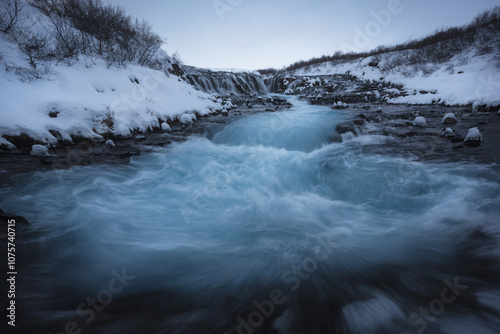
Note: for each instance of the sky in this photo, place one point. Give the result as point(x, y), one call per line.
point(256, 34)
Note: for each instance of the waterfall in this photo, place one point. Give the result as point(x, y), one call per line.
point(226, 82)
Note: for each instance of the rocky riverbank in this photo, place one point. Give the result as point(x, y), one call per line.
point(437, 139)
point(366, 104)
point(117, 149)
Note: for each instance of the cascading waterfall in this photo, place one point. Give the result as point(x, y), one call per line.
point(228, 83)
point(264, 225)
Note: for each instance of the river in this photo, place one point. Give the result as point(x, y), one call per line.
point(268, 224)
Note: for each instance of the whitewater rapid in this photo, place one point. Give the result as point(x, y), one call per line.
point(269, 224)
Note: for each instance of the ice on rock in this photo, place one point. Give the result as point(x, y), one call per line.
point(165, 127)
point(39, 150)
point(420, 121)
point(449, 118)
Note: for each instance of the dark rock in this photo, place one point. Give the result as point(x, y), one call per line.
point(4, 218)
point(344, 128)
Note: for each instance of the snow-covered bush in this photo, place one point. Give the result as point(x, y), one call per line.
point(9, 14)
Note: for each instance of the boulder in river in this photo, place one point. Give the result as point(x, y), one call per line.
point(449, 118)
point(344, 128)
point(473, 137)
point(420, 121)
point(448, 132)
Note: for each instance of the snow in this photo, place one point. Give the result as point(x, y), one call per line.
point(473, 134)
point(110, 143)
point(479, 83)
point(39, 150)
point(186, 119)
point(420, 121)
point(165, 127)
point(90, 99)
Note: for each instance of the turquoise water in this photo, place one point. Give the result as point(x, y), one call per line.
point(270, 203)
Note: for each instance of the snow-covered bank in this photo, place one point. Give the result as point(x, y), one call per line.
point(467, 78)
point(88, 99)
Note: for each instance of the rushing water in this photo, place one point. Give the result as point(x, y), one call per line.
point(266, 225)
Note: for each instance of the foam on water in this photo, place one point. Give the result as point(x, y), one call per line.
point(210, 225)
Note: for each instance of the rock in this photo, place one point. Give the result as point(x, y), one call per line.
point(379, 110)
point(19, 219)
point(449, 118)
point(39, 150)
point(359, 122)
point(420, 121)
point(225, 112)
point(110, 143)
point(448, 132)
point(473, 137)
point(344, 128)
point(186, 120)
point(165, 127)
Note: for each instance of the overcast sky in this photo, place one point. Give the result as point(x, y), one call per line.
point(254, 34)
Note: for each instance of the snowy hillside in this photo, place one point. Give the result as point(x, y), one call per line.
point(459, 65)
point(88, 99)
point(467, 78)
point(92, 93)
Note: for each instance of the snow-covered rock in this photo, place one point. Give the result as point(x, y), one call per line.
point(7, 143)
point(473, 137)
point(420, 121)
point(110, 143)
point(39, 150)
point(186, 119)
point(449, 118)
point(448, 132)
point(229, 104)
point(165, 127)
